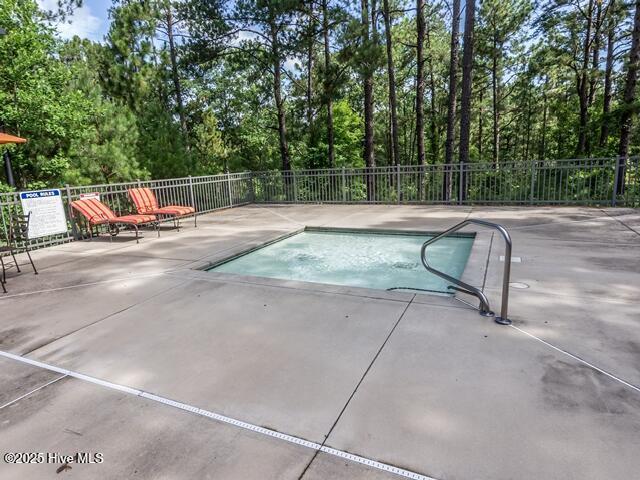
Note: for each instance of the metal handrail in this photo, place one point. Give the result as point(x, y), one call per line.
point(484, 307)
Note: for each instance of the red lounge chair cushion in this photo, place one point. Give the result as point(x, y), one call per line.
point(146, 203)
point(174, 210)
point(96, 212)
point(144, 199)
point(134, 219)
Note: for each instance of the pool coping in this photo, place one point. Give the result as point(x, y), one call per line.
point(473, 273)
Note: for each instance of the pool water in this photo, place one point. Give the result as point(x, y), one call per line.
point(371, 260)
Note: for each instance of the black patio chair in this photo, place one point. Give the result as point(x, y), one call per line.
point(18, 240)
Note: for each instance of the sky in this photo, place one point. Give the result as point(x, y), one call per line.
point(91, 21)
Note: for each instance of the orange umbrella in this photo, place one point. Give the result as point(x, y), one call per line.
point(6, 138)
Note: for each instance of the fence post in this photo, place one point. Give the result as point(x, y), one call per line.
point(616, 178)
point(344, 186)
point(398, 188)
point(193, 198)
point(74, 229)
point(229, 188)
point(139, 183)
point(533, 181)
point(252, 187)
point(461, 181)
point(295, 186)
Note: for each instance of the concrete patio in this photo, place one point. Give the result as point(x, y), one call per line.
point(416, 382)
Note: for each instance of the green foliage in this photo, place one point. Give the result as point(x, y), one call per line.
point(213, 153)
point(34, 99)
point(128, 69)
point(51, 95)
point(107, 153)
point(348, 127)
point(104, 150)
point(133, 107)
point(135, 71)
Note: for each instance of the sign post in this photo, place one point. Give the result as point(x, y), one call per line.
point(72, 220)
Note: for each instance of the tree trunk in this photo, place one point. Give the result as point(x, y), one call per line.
point(393, 106)
point(480, 122)
point(433, 127)
point(277, 94)
point(606, 104)
point(310, 39)
point(495, 98)
point(545, 113)
point(368, 151)
point(420, 81)
point(559, 141)
point(328, 85)
point(8, 168)
point(177, 87)
point(465, 101)
point(595, 62)
point(453, 83)
point(628, 110)
point(582, 81)
point(527, 144)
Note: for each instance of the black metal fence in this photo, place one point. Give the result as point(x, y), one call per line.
point(205, 194)
point(557, 182)
point(589, 182)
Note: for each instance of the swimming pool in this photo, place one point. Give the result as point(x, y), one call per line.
point(380, 260)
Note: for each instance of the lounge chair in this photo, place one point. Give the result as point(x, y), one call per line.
point(97, 213)
point(147, 204)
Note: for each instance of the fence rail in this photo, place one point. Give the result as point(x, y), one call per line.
point(205, 194)
point(558, 182)
point(594, 181)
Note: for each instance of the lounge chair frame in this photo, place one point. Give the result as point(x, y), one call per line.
point(18, 239)
point(112, 223)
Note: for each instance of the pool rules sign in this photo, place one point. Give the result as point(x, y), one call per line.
point(47, 212)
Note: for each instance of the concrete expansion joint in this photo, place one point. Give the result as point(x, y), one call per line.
point(578, 359)
point(15, 400)
point(324, 448)
point(88, 284)
point(101, 319)
point(621, 222)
